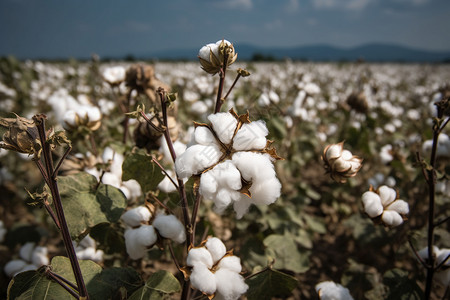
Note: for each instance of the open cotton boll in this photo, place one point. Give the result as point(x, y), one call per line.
point(26, 251)
point(87, 242)
point(230, 285)
point(399, 206)
point(134, 249)
point(13, 267)
point(133, 187)
point(224, 125)
point(135, 216)
point(231, 263)
point(178, 146)
point(387, 195)
point(205, 51)
point(170, 227)
point(204, 136)
point(196, 159)
point(69, 119)
point(372, 204)
point(242, 206)
point(265, 191)
point(253, 165)
point(198, 256)
point(251, 136)
point(203, 279)
point(146, 235)
point(199, 108)
point(216, 247)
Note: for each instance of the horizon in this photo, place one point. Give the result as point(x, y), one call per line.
point(52, 29)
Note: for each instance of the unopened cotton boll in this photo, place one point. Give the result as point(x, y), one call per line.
point(329, 290)
point(135, 216)
point(170, 227)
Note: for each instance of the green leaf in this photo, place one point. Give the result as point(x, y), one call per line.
point(100, 284)
point(400, 286)
point(287, 255)
point(270, 283)
point(110, 237)
point(158, 286)
point(87, 205)
point(139, 166)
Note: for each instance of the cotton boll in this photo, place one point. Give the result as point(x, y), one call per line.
point(328, 290)
point(205, 51)
point(199, 256)
point(387, 195)
point(39, 257)
point(231, 263)
point(199, 108)
point(224, 125)
point(26, 251)
point(216, 247)
point(178, 147)
point(204, 136)
point(196, 159)
point(399, 206)
point(135, 216)
point(203, 279)
point(251, 136)
point(133, 187)
point(134, 249)
point(111, 179)
point(265, 191)
point(264, 100)
point(391, 218)
point(253, 165)
point(372, 204)
point(146, 235)
point(87, 242)
point(13, 267)
point(230, 285)
point(170, 227)
point(166, 184)
point(242, 206)
point(69, 119)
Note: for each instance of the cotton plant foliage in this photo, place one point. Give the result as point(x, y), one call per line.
point(234, 161)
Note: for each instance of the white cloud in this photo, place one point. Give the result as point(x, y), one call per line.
point(236, 4)
point(344, 4)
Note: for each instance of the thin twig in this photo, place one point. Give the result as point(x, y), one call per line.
point(440, 222)
point(164, 171)
point(232, 86)
point(417, 255)
point(62, 282)
point(222, 72)
point(58, 166)
point(173, 256)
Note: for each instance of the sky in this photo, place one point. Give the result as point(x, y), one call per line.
point(79, 28)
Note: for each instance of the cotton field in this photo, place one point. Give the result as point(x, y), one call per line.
point(300, 181)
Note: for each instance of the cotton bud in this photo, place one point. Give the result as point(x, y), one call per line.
point(136, 216)
point(114, 75)
point(212, 56)
point(340, 163)
point(384, 204)
point(170, 227)
point(21, 136)
point(328, 290)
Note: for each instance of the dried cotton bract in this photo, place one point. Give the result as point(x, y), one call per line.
point(384, 203)
point(212, 56)
point(214, 271)
point(340, 163)
point(233, 159)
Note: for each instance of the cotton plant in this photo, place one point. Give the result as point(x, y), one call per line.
point(215, 271)
point(340, 163)
point(87, 249)
point(31, 258)
point(442, 260)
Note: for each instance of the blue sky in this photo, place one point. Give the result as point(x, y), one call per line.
point(78, 28)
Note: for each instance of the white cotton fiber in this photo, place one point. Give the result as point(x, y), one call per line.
point(203, 279)
point(253, 165)
point(134, 249)
point(328, 290)
point(166, 185)
point(216, 247)
point(204, 136)
point(146, 235)
point(391, 218)
point(87, 242)
point(199, 256)
point(26, 251)
point(387, 195)
point(39, 257)
point(265, 191)
point(399, 206)
point(170, 227)
point(241, 207)
point(230, 285)
point(251, 136)
point(224, 125)
point(372, 204)
point(135, 216)
point(231, 263)
point(196, 159)
point(14, 266)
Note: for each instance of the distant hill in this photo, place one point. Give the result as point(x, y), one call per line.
point(369, 52)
